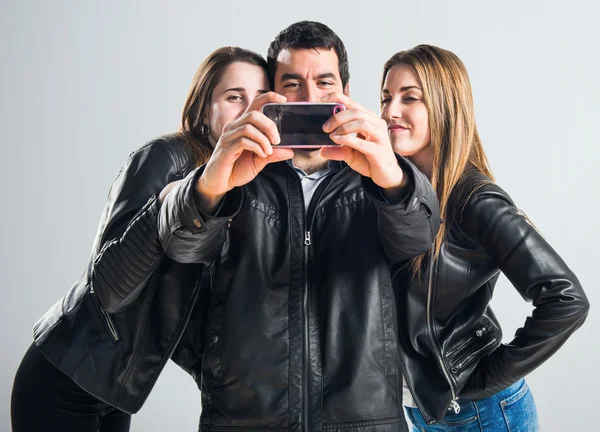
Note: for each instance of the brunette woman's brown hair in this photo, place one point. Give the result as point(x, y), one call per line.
point(207, 77)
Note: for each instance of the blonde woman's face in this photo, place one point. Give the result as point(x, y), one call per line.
point(240, 84)
point(404, 110)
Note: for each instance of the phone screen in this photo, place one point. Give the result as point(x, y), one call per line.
point(300, 124)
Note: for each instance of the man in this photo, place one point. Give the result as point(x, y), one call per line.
point(301, 332)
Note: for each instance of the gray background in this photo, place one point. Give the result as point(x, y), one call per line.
point(86, 82)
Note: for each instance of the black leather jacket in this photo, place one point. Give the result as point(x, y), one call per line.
point(450, 340)
point(302, 325)
point(107, 333)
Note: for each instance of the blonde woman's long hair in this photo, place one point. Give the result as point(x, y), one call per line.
point(455, 144)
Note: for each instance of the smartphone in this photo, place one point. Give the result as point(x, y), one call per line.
point(300, 124)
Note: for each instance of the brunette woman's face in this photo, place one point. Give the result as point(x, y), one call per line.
point(403, 108)
point(240, 84)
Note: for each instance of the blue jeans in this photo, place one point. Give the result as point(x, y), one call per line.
point(510, 410)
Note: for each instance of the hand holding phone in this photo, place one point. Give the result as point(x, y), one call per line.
point(300, 124)
point(365, 145)
point(245, 147)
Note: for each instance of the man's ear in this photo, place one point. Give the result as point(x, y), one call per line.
point(347, 90)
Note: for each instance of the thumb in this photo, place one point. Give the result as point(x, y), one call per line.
point(278, 155)
point(341, 153)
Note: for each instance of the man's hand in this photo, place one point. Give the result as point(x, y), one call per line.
point(369, 152)
point(244, 149)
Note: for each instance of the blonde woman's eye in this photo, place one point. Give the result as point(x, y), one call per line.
point(409, 99)
point(235, 98)
point(384, 101)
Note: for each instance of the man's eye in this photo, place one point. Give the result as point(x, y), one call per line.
point(292, 85)
point(325, 83)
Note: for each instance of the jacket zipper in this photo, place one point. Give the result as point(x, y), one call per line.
point(306, 334)
point(454, 406)
point(112, 328)
point(462, 344)
point(468, 357)
point(308, 221)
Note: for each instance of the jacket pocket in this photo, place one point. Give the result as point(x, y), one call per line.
point(470, 349)
point(106, 319)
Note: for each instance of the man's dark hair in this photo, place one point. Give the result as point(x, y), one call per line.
point(306, 35)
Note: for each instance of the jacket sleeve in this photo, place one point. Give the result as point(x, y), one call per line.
point(540, 276)
point(407, 227)
point(189, 236)
point(126, 250)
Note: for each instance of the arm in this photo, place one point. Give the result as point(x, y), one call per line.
point(408, 225)
point(408, 209)
point(187, 234)
point(540, 276)
point(126, 250)
point(193, 219)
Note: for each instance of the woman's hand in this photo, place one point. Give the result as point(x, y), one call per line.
point(244, 149)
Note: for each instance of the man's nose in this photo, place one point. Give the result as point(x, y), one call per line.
point(310, 94)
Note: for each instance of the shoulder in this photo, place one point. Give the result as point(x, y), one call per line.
point(477, 202)
point(170, 151)
point(487, 192)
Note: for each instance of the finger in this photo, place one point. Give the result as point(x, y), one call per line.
point(253, 132)
point(341, 98)
point(344, 154)
point(241, 144)
point(279, 154)
point(355, 160)
point(262, 100)
point(365, 147)
point(262, 123)
point(340, 118)
point(348, 115)
point(365, 120)
point(365, 127)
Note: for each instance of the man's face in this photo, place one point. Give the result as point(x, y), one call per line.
point(308, 74)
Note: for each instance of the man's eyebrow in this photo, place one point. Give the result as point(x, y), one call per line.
point(289, 76)
point(403, 89)
point(326, 75)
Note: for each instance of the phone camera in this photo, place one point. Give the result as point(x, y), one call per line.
point(337, 109)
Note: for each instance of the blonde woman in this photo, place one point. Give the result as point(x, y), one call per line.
point(458, 374)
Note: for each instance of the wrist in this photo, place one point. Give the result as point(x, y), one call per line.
point(396, 188)
point(206, 201)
